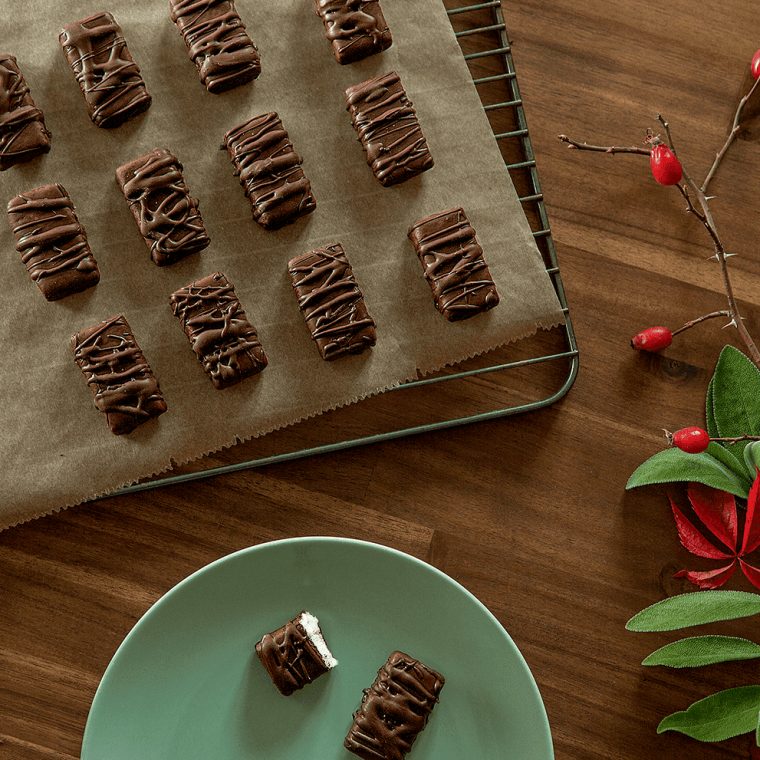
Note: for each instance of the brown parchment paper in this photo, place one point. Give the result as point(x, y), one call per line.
point(56, 448)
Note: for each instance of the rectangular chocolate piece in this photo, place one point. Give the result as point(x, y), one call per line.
point(331, 302)
point(270, 171)
point(454, 265)
point(167, 217)
point(356, 28)
point(295, 654)
point(217, 42)
point(109, 78)
point(223, 339)
point(23, 134)
point(119, 376)
point(52, 242)
point(387, 125)
point(394, 710)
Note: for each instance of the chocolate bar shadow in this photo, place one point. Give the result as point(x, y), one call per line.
point(284, 716)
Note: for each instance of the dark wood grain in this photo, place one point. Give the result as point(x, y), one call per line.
point(528, 512)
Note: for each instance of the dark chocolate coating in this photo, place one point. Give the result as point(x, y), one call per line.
point(453, 262)
point(166, 215)
point(216, 42)
point(290, 658)
point(331, 302)
point(119, 376)
point(23, 134)
point(356, 28)
point(388, 129)
point(270, 171)
point(394, 710)
point(52, 242)
point(108, 77)
point(223, 339)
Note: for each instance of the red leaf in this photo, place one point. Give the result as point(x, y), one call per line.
point(707, 579)
point(751, 573)
point(692, 539)
point(751, 539)
point(717, 510)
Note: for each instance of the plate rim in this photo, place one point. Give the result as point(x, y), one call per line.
point(373, 545)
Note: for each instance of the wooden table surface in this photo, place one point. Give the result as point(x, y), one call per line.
point(528, 512)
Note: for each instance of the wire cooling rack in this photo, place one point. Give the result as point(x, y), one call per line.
point(483, 37)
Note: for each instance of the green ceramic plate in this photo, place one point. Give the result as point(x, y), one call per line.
point(186, 685)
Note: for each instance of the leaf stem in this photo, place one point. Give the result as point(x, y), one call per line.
point(737, 438)
point(732, 135)
point(602, 148)
point(703, 318)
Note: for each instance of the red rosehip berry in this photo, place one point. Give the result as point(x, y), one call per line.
point(652, 339)
point(692, 440)
point(666, 168)
point(755, 65)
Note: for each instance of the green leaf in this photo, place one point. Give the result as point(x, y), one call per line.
point(712, 426)
point(673, 465)
point(698, 608)
point(717, 717)
point(697, 651)
point(757, 731)
point(736, 397)
point(738, 467)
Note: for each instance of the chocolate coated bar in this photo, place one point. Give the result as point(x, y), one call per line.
point(270, 171)
point(295, 654)
point(166, 215)
point(388, 129)
point(23, 134)
point(216, 42)
point(51, 242)
point(356, 28)
point(394, 710)
point(331, 302)
point(223, 339)
point(119, 376)
point(108, 77)
point(454, 265)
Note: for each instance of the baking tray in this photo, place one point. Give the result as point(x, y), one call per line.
point(528, 375)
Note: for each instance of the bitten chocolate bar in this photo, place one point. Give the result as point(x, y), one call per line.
point(270, 171)
point(217, 42)
point(166, 215)
point(387, 125)
point(223, 339)
point(51, 242)
point(119, 376)
point(453, 264)
point(331, 302)
point(23, 134)
point(394, 710)
point(108, 77)
point(356, 28)
point(295, 654)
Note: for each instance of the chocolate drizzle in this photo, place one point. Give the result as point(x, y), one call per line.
point(23, 134)
point(356, 28)
point(388, 128)
point(331, 302)
point(109, 78)
point(290, 658)
point(217, 42)
point(223, 339)
point(454, 265)
point(270, 171)
point(52, 243)
point(166, 215)
point(394, 710)
point(119, 376)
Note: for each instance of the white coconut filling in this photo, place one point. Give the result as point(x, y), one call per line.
point(311, 626)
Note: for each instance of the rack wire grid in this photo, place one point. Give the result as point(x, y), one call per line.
point(474, 25)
